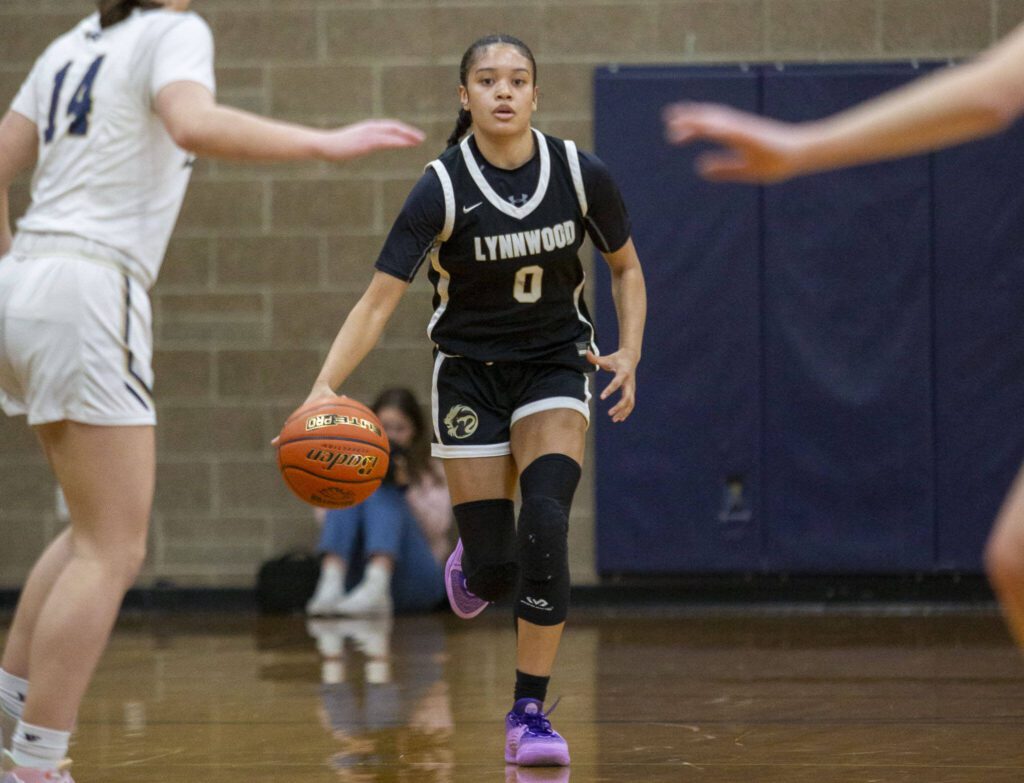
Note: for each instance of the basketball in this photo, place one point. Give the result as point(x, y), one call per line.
point(333, 453)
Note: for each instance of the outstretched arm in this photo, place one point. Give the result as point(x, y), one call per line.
point(630, 295)
point(199, 124)
point(18, 148)
point(360, 332)
point(945, 108)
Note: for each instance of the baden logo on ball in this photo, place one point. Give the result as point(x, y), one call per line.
point(333, 453)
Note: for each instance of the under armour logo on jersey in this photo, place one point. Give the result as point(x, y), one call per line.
point(537, 603)
point(518, 201)
point(467, 210)
point(190, 162)
point(94, 35)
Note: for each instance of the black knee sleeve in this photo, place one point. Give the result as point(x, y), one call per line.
point(488, 532)
point(547, 486)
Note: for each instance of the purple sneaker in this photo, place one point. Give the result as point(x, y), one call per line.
point(529, 739)
point(464, 603)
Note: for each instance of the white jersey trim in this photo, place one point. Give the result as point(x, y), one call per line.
point(573, 156)
point(449, 199)
point(444, 236)
point(551, 404)
point(497, 201)
point(577, 294)
point(435, 409)
point(442, 451)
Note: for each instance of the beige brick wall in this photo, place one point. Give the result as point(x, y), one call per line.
point(266, 260)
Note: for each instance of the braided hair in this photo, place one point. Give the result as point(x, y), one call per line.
point(114, 11)
point(465, 119)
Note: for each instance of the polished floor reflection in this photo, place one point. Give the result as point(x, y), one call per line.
point(647, 695)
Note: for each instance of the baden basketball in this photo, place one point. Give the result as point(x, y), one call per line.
point(333, 453)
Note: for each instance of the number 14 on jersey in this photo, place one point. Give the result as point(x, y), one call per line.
point(80, 105)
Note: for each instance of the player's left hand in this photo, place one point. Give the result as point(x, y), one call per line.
point(623, 364)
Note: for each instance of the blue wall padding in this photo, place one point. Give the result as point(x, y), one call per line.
point(833, 373)
point(847, 393)
point(661, 487)
point(979, 353)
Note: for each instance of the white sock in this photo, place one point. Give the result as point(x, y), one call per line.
point(332, 580)
point(377, 576)
point(13, 692)
point(39, 748)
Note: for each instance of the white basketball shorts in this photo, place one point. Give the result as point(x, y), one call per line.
point(75, 335)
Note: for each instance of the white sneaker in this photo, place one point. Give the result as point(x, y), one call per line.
point(326, 596)
point(365, 600)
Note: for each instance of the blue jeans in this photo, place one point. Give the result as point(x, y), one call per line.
point(384, 525)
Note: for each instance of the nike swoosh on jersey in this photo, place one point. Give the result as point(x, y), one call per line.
point(467, 210)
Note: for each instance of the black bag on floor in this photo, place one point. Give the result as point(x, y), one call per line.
point(286, 583)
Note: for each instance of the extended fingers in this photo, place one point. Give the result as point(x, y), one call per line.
point(621, 410)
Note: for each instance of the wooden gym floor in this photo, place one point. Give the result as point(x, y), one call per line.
point(647, 695)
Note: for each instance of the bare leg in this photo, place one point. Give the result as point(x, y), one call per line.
point(480, 478)
point(107, 474)
point(560, 431)
point(40, 581)
point(1004, 558)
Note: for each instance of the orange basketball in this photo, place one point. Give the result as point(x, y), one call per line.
point(333, 453)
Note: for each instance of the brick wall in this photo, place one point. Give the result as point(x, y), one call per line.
point(266, 260)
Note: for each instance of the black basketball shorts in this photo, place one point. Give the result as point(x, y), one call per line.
point(474, 404)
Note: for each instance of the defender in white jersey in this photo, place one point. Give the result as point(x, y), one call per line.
point(111, 116)
point(951, 106)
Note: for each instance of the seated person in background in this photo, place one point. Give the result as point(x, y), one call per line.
point(397, 538)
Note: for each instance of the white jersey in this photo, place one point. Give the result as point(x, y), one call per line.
point(108, 171)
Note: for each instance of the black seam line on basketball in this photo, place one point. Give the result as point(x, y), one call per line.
point(136, 395)
point(331, 478)
point(333, 437)
point(127, 333)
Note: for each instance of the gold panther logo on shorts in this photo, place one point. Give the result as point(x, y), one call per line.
point(461, 421)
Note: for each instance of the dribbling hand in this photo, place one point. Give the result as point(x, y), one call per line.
point(362, 138)
point(623, 364)
point(756, 149)
point(320, 391)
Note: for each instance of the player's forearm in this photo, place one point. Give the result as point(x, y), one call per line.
point(356, 338)
point(228, 133)
point(630, 295)
point(937, 111)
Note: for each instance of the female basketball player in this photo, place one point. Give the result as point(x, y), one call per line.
point(954, 105)
point(108, 116)
point(500, 217)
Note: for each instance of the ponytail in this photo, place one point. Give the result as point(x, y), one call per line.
point(114, 11)
point(462, 125)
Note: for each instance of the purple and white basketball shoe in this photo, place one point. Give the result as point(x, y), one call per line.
point(529, 739)
point(463, 603)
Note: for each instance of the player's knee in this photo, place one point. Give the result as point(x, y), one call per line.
point(487, 530)
point(543, 539)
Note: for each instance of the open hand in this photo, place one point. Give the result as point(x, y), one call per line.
point(362, 138)
point(623, 365)
point(755, 149)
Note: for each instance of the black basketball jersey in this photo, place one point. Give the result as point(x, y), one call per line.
point(508, 282)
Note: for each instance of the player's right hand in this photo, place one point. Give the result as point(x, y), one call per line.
point(362, 138)
point(755, 149)
point(320, 391)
